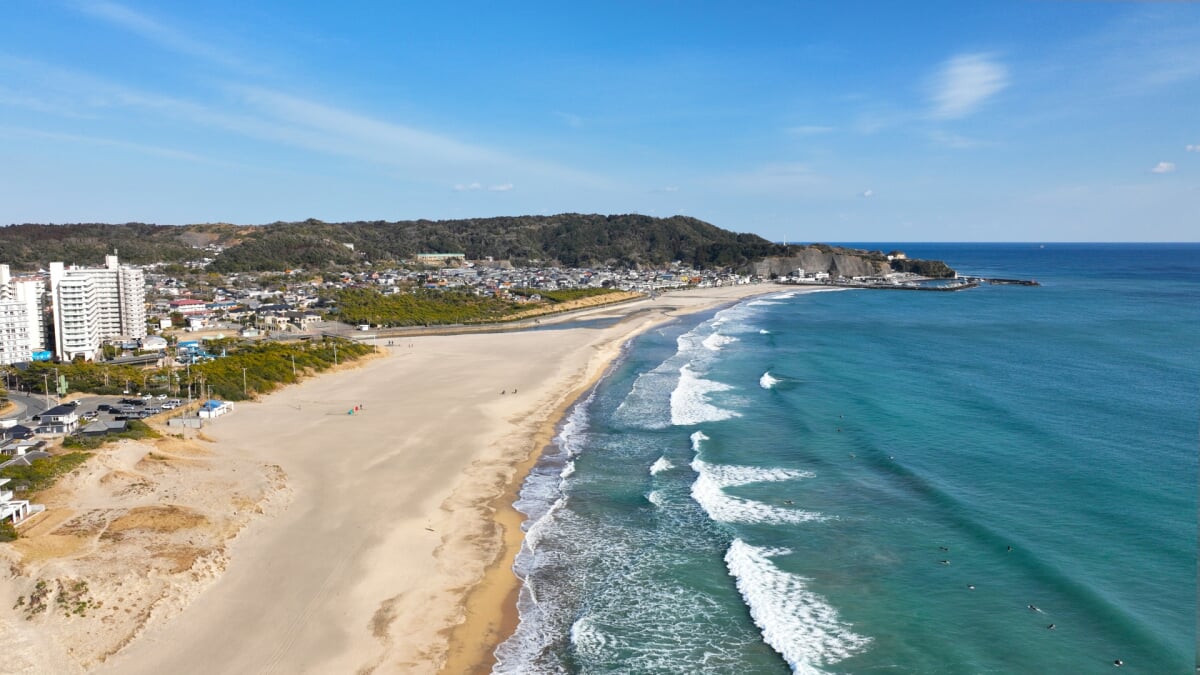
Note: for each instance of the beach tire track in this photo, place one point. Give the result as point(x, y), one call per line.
point(290, 635)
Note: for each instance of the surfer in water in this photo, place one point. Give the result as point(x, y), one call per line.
point(1033, 608)
point(970, 587)
point(944, 562)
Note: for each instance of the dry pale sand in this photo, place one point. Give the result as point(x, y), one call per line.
point(129, 539)
point(392, 517)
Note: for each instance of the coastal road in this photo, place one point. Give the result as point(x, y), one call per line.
point(28, 405)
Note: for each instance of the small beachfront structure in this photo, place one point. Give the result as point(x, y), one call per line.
point(15, 510)
point(213, 408)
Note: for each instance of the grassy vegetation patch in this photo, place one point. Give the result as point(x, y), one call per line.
point(134, 430)
point(41, 473)
point(566, 294)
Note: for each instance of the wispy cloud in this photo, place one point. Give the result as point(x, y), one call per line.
point(964, 83)
point(954, 141)
point(171, 153)
point(276, 117)
point(571, 120)
point(1192, 147)
point(808, 130)
point(1163, 167)
point(157, 32)
point(867, 194)
point(476, 187)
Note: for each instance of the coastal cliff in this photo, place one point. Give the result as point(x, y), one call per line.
point(845, 262)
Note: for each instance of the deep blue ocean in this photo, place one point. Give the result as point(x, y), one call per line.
point(886, 482)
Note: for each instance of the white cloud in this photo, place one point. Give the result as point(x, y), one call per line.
point(467, 187)
point(954, 141)
point(808, 130)
point(159, 33)
point(1193, 148)
point(964, 83)
point(867, 194)
point(571, 120)
point(1163, 167)
point(160, 151)
point(500, 188)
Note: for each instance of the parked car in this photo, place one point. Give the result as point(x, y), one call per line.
point(104, 407)
point(152, 411)
point(162, 397)
point(169, 406)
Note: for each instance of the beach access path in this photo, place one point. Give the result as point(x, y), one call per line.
point(391, 523)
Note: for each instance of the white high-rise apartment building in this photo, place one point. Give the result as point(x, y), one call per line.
point(29, 290)
point(14, 332)
point(92, 304)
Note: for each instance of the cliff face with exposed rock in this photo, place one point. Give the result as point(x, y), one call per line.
point(844, 262)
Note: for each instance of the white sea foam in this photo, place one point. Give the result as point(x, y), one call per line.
point(588, 640)
point(762, 303)
point(767, 380)
point(794, 621)
point(570, 437)
point(763, 331)
point(533, 535)
point(709, 493)
point(660, 465)
point(567, 470)
point(716, 341)
point(689, 401)
point(656, 498)
point(698, 438)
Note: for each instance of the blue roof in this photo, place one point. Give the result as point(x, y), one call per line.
point(212, 405)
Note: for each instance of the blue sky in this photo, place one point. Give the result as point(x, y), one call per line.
point(847, 121)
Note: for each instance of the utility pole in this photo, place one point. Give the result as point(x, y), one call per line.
point(293, 365)
point(46, 388)
point(335, 354)
point(244, 382)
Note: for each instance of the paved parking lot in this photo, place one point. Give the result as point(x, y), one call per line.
point(89, 405)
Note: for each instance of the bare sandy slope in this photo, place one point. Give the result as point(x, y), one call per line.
point(128, 540)
point(388, 521)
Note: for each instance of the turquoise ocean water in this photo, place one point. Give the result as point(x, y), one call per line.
point(814, 482)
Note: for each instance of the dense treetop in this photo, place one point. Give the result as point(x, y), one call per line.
point(569, 239)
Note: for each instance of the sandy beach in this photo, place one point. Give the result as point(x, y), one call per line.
point(372, 542)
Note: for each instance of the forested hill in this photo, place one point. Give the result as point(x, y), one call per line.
point(570, 239)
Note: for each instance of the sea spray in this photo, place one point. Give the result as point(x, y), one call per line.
point(716, 341)
point(794, 621)
point(767, 380)
point(708, 490)
point(660, 465)
point(690, 403)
